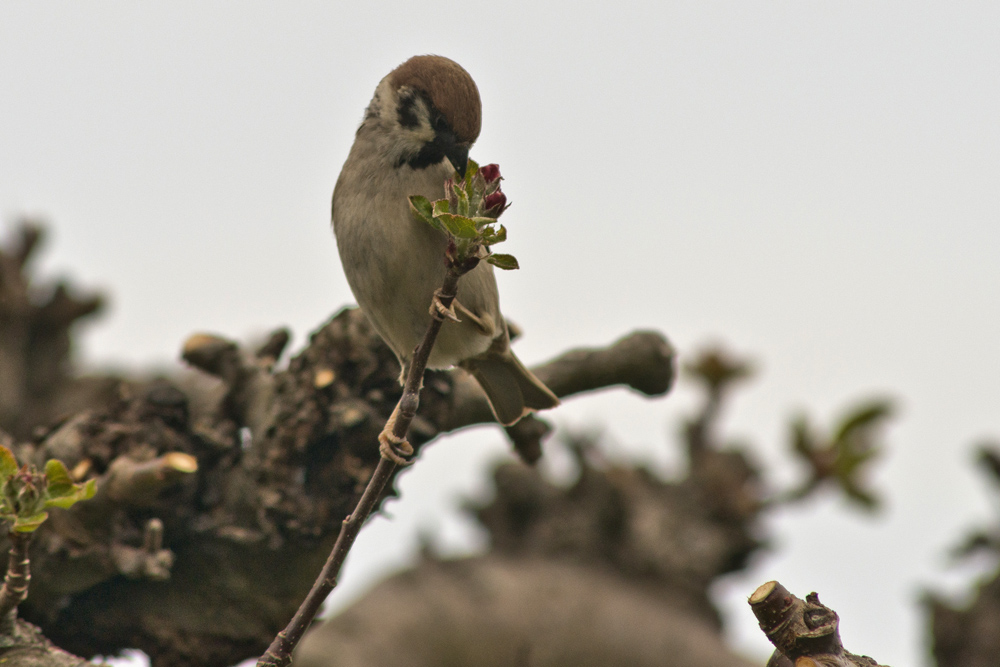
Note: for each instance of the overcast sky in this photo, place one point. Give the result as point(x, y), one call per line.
point(815, 183)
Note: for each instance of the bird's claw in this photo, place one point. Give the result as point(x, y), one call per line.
point(439, 311)
point(394, 448)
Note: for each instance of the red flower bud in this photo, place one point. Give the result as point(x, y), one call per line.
point(494, 203)
point(490, 172)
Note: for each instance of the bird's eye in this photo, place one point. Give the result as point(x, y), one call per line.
point(438, 122)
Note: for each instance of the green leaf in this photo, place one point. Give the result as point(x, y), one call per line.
point(474, 186)
point(463, 201)
point(489, 234)
point(423, 210)
point(422, 206)
point(863, 417)
point(474, 190)
point(59, 481)
point(77, 493)
point(459, 225)
point(28, 524)
point(61, 491)
point(8, 464)
point(498, 236)
point(471, 169)
point(440, 206)
point(802, 441)
point(867, 500)
point(501, 261)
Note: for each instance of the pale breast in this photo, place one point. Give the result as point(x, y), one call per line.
point(394, 263)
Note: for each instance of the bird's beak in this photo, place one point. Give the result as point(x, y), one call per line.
point(458, 155)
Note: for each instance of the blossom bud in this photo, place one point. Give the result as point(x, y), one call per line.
point(494, 203)
point(490, 172)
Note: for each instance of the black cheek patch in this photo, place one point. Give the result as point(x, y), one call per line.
point(407, 112)
point(432, 153)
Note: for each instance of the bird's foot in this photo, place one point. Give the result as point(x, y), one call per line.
point(439, 311)
point(394, 448)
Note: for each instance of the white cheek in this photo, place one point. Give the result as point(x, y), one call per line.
point(421, 135)
point(407, 141)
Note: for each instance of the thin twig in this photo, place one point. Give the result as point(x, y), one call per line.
point(15, 585)
point(279, 653)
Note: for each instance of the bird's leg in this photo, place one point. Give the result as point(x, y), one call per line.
point(439, 311)
point(391, 446)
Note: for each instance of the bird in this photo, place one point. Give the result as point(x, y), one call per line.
point(417, 131)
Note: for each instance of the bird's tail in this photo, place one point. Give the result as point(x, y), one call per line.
point(513, 390)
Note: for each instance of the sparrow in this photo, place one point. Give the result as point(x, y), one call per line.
point(417, 131)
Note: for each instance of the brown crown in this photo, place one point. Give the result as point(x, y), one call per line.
point(450, 89)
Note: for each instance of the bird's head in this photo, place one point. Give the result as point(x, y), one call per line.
point(425, 110)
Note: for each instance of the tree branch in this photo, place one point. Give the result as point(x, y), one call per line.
point(642, 360)
point(804, 633)
point(279, 653)
point(132, 483)
point(15, 585)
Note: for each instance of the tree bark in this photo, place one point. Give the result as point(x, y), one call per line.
point(281, 458)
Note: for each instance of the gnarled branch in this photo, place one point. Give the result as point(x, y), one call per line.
point(805, 633)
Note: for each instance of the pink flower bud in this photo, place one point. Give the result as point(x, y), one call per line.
point(494, 203)
point(490, 172)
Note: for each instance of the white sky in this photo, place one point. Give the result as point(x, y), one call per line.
point(814, 183)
